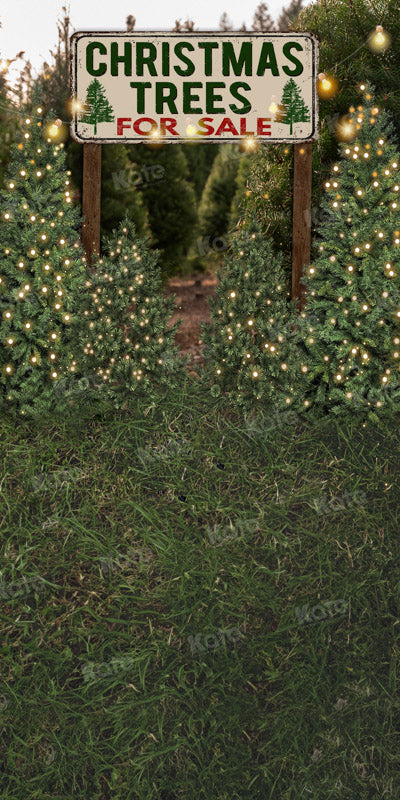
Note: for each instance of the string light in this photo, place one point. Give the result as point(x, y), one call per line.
point(327, 85)
point(379, 40)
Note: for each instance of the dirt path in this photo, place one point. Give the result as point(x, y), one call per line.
point(192, 293)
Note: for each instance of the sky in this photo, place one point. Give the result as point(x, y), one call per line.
point(31, 26)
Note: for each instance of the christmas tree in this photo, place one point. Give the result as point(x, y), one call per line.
point(119, 191)
point(292, 108)
point(216, 200)
point(351, 324)
point(290, 15)
point(250, 345)
point(163, 177)
point(8, 120)
point(42, 267)
point(98, 108)
point(125, 338)
point(262, 20)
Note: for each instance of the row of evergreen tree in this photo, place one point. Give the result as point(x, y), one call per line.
point(58, 320)
point(112, 327)
point(264, 179)
point(203, 184)
point(342, 353)
point(163, 189)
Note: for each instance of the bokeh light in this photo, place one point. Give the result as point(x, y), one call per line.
point(345, 130)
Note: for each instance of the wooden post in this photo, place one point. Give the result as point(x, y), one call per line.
point(91, 200)
point(301, 247)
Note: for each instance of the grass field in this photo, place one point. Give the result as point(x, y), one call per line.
point(191, 609)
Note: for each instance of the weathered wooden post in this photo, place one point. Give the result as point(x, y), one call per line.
point(91, 200)
point(301, 242)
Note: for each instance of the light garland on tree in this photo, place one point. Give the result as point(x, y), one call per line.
point(382, 179)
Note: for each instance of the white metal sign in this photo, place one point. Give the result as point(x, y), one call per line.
point(203, 86)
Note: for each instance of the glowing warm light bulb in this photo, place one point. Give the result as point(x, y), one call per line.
point(325, 82)
point(379, 40)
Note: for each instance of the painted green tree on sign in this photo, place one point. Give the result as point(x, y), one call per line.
point(293, 108)
point(97, 105)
